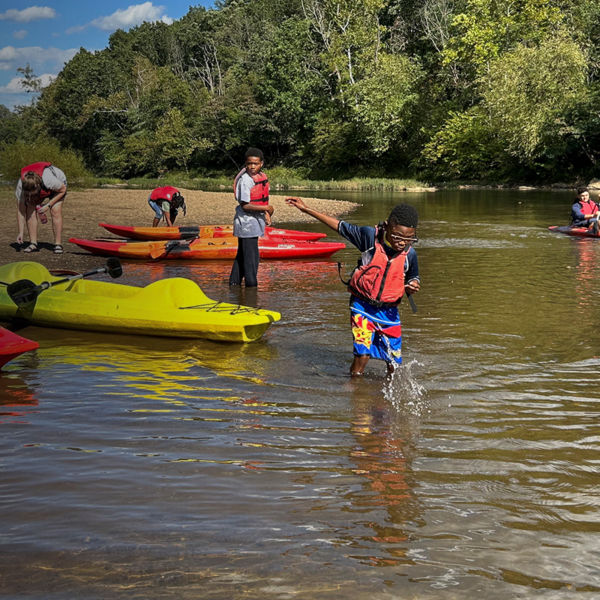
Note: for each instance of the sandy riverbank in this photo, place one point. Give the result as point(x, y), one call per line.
point(84, 209)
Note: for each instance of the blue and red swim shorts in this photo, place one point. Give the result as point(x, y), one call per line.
point(377, 332)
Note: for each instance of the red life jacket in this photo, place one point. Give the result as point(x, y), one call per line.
point(38, 168)
point(380, 281)
point(589, 207)
point(164, 193)
point(259, 194)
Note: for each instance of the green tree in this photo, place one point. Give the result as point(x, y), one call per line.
point(524, 122)
point(529, 92)
point(484, 29)
point(11, 126)
point(175, 141)
point(385, 101)
point(30, 83)
point(14, 156)
point(466, 147)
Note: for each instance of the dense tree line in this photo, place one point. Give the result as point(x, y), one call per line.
point(442, 89)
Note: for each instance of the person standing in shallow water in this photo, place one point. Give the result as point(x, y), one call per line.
point(252, 214)
point(388, 269)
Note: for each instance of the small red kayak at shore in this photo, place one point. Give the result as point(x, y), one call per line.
point(208, 249)
point(12, 345)
point(575, 231)
point(202, 231)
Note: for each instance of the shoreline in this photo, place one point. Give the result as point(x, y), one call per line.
point(84, 209)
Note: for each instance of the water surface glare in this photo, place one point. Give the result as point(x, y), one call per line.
point(154, 468)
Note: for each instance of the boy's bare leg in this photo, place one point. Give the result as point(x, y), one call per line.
point(358, 365)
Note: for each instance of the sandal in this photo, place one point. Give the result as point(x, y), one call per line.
point(58, 249)
point(33, 247)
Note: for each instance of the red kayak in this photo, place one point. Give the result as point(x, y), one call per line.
point(202, 231)
point(208, 249)
point(576, 231)
point(11, 345)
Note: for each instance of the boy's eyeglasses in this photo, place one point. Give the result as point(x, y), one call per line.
point(401, 238)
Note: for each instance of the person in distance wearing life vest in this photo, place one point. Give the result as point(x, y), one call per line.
point(40, 191)
point(387, 270)
point(252, 214)
point(585, 212)
point(166, 202)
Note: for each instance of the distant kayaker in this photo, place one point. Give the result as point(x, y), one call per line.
point(166, 202)
point(41, 190)
point(585, 212)
point(252, 214)
point(388, 269)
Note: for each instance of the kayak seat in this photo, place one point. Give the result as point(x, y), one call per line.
point(25, 270)
point(173, 292)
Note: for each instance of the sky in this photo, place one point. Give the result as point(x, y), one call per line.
point(46, 35)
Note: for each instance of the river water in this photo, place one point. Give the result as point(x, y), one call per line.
point(152, 468)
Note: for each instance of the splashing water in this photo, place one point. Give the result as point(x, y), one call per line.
point(403, 390)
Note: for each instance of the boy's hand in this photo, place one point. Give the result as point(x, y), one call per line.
point(268, 219)
point(413, 286)
point(297, 202)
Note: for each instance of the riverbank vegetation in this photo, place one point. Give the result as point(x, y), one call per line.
point(386, 94)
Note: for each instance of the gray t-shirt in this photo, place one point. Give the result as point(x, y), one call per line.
point(52, 178)
point(247, 224)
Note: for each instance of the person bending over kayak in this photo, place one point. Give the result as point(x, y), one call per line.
point(585, 212)
point(166, 202)
point(252, 214)
point(388, 269)
point(41, 190)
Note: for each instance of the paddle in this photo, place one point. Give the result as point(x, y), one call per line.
point(412, 303)
point(23, 291)
point(161, 250)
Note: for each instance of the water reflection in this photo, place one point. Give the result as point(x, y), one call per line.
point(587, 256)
point(17, 399)
point(382, 454)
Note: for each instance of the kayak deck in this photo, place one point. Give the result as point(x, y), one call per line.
point(202, 231)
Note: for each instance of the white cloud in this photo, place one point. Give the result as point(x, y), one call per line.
point(76, 29)
point(15, 85)
point(33, 13)
point(11, 58)
point(131, 16)
point(19, 35)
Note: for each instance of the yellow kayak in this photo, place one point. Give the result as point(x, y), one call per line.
point(174, 307)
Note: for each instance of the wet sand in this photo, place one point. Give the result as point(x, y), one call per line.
point(84, 209)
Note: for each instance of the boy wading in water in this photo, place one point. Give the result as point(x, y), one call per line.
point(252, 214)
point(388, 270)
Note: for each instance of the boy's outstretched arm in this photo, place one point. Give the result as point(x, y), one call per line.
point(300, 205)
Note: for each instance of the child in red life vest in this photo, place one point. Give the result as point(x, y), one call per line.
point(584, 212)
point(388, 270)
point(166, 202)
point(252, 214)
